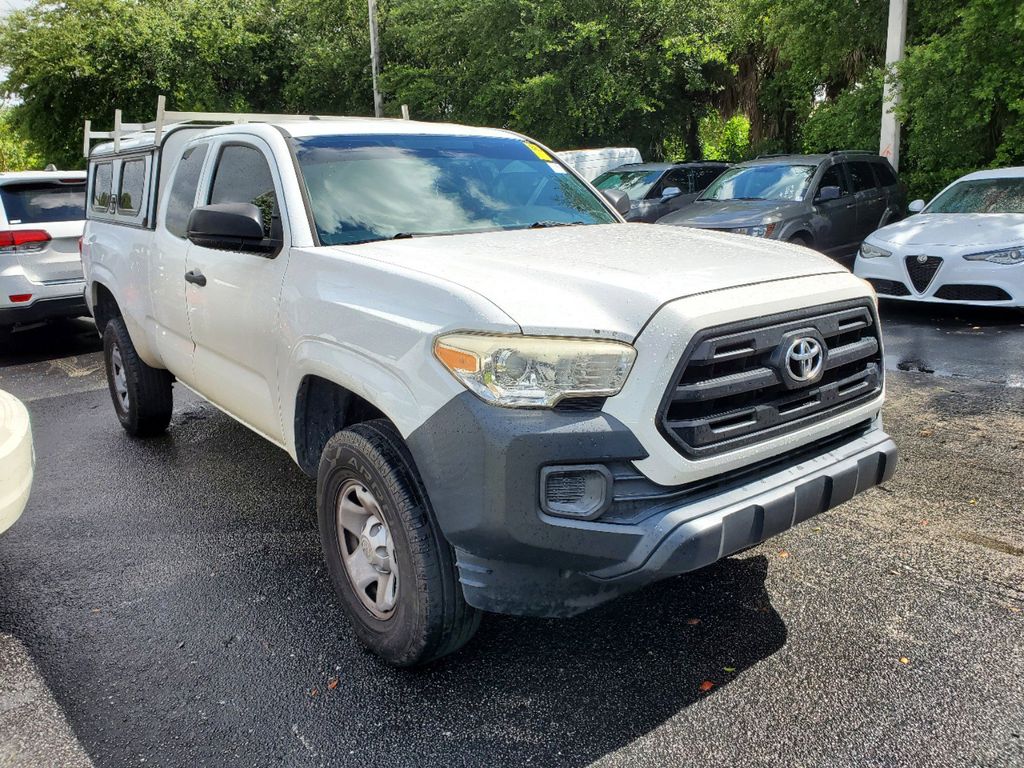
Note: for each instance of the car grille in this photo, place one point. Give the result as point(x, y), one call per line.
point(888, 287)
point(735, 385)
point(921, 273)
point(972, 293)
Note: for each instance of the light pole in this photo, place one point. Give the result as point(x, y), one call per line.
point(889, 142)
point(378, 105)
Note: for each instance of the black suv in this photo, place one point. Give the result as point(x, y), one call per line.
point(657, 189)
point(827, 202)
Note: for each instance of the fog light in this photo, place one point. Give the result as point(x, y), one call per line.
point(582, 491)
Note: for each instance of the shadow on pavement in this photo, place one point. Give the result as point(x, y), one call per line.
point(49, 341)
point(173, 594)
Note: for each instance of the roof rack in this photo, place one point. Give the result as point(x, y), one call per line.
point(852, 152)
point(165, 117)
point(773, 154)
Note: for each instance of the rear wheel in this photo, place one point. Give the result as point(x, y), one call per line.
point(389, 562)
point(142, 395)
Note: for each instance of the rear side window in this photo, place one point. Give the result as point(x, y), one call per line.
point(861, 176)
point(243, 176)
point(182, 197)
point(886, 177)
point(129, 195)
point(102, 177)
point(40, 202)
point(704, 176)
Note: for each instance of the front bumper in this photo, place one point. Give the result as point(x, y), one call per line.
point(481, 468)
point(954, 278)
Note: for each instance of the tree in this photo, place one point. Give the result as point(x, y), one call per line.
point(16, 154)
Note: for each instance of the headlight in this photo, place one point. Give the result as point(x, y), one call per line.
point(534, 371)
point(760, 230)
point(868, 251)
point(1007, 256)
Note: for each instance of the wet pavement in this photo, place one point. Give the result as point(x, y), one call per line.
point(171, 595)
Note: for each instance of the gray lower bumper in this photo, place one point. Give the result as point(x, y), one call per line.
point(691, 536)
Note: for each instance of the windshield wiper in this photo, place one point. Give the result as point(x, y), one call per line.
point(546, 224)
point(748, 198)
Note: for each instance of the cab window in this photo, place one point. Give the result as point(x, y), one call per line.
point(243, 176)
point(861, 176)
point(129, 194)
point(182, 197)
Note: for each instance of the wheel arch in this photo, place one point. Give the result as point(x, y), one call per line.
point(322, 409)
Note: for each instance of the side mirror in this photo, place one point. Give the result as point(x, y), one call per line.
point(669, 192)
point(230, 227)
point(828, 193)
point(916, 207)
point(619, 200)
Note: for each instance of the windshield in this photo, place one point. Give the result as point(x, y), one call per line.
point(43, 201)
point(636, 184)
point(366, 188)
point(761, 182)
point(981, 196)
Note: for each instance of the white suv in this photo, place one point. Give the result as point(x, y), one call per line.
point(511, 399)
point(42, 214)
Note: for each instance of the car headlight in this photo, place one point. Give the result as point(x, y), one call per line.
point(759, 230)
point(1006, 256)
point(868, 251)
point(535, 371)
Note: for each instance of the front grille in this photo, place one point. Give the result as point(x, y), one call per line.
point(922, 272)
point(734, 385)
point(888, 287)
point(972, 293)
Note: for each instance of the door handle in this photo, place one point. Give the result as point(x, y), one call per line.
point(195, 277)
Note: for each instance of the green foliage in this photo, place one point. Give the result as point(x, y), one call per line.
point(647, 73)
point(849, 121)
point(16, 154)
point(963, 95)
point(727, 140)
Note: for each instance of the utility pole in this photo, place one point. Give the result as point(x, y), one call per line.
point(889, 143)
point(378, 104)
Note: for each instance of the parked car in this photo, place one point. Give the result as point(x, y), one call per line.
point(42, 214)
point(17, 459)
point(965, 246)
point(591, 163)
point(657, 189)
point(826, 202)
point(511, 399)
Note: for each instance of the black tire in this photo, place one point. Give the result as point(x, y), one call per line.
point(799, 240)
point(430, 617)
point(150, 400)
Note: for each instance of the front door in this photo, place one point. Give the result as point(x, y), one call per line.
point(233, 297)
point(836, 235)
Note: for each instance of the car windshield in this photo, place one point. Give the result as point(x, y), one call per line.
point(777, 181)
point(981, 196)
point(377, 187)
point(636, 184)
point(40, 202)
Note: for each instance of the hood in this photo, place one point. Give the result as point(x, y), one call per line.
point(726, 214)
point(595, 280)
point(982, 230)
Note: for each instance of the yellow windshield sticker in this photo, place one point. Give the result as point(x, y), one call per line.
point(539, 152)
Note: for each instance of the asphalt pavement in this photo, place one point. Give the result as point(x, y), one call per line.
point(171, 597)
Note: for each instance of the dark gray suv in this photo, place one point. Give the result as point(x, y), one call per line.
point(826, 202)
point(656, 189)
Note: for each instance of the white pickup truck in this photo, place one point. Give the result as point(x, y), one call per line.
point(512, 400)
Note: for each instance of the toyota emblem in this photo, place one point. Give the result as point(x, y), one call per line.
point(805, 359)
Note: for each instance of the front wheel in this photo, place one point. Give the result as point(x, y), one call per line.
point(142, 395)
point(388, 560)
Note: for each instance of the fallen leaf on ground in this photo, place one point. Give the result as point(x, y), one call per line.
point(925, 433)
point(973, 501)
point(332, 683)
point(691, 622)
point(904, 660)
point(729, 669)
point(783, 553)
point(314, 691)
point(706, 686)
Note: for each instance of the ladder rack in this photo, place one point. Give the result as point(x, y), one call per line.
point(165, 117)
